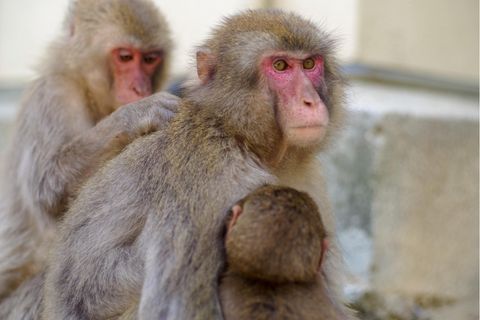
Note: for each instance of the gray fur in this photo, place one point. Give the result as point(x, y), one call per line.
point(26, 303)
point(147, 227)
point(64, 130)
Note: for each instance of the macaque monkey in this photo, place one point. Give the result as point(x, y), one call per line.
point(148, 225)
point(275, 247)
point(111, 53)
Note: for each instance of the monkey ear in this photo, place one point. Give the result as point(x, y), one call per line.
point(205, 65)
point(236, 212)
point(324, 248)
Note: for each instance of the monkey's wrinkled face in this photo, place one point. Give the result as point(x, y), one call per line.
point(133, 73)
point(296, 80)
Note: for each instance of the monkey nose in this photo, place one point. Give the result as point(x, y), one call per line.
point(137, 91)
point(308, 103)
point(309, 97)
point(311, 101)
point(141, 90)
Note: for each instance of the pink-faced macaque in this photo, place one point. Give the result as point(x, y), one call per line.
point(72, 119)
point(148, 226)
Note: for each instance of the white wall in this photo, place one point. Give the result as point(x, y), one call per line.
point(435, 37)
point(27, 26)
point(191, 20)
point(438, 38)
point(25, 29)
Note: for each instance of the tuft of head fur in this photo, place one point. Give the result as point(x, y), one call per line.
point(278, 237)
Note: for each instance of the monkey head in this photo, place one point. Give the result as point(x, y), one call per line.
point(279, 70)
point(120, 49)
point(276, 234)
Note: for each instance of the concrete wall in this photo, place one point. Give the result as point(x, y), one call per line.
point(404, 181)
point(432, 37)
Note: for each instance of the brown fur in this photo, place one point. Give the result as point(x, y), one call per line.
point(64, 130)
point(278, 236)
point(148, 225)
point(273, 254)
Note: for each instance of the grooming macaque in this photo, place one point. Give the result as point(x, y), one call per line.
point(148, 226)
point(111, 53)
point(275, 247)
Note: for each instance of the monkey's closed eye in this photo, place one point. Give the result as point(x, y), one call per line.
point(308, 63)
point(151, 58)
point(280, 65)
point(125, 55)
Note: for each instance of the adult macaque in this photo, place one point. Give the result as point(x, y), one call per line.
point(148, 225)
point(111, 52)
point(275, 244)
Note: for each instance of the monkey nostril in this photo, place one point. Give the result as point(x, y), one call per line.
point(308, 103)
point(138, 91)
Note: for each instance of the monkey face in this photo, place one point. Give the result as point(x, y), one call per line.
point(133, 72)
point(273, 81)
point(295, 79)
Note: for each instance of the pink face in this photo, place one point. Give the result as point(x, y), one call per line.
point(295, 79)
point(133, 71)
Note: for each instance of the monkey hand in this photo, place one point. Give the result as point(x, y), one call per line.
point(166, 100)
point(134, 120)
point(147, 115)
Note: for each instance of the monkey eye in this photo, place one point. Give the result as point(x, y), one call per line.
point(151, 58)
point(308, 63)
point(280, 65)
point(125, 55)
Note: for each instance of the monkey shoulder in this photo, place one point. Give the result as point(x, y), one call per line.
point(54, 103)
point(50, 114)
point(54, 87)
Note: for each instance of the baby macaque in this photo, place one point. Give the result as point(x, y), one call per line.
point(275, 244)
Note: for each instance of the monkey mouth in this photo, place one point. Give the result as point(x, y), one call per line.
point(306, 135)
point(308, 128)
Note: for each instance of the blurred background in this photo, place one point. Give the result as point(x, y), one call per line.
point(403, 176)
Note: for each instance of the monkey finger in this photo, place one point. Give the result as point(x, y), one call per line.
point(165, 100)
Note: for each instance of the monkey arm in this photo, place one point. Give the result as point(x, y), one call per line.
point(64, 146)
point(107, 138)
point(181, 271)
point(98, 287)
point(96, 267)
